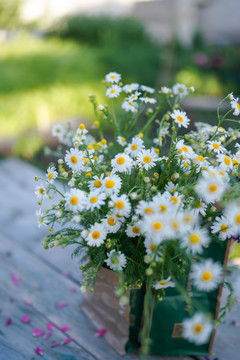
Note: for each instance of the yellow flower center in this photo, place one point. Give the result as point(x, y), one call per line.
point(148, 211)
point(85, 161)
point(116, 260)
point(238, 106)
point(194, 238)
point(111, 221)
point(213, 188)
point(136, 230)
point(123, 139)
point(152, 247)
point(180, 119)
point(82, 126)
point(235, 163)
point(199, 205)
point(121, 160)
point(74, 200)
point(175, 224)
point(147, 159)
point(96, 123)
point(198, 328)
point(50, 175)
point(140, 134)
point(41, 190)
point(97, 183)
point(238, 218)
point(221, 173)
point(119, 205)
point(104, 141)
point(185, 149)
point(95, 235)
point(90, 147)
point(216, 146)
point(74, 159)
point(201, 158)
point(224, 228)
point(185, 164)
point(174, 200)
point(163, 282)
point(187, 218)
point(134, 147)
point(227, 161)
point(113, 91)
point(207, 276)
point(93, 199)
point(110, 184)
point(162, 208)
point(157, 225)
point(113, 76)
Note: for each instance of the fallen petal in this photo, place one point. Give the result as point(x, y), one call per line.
point(66, 274)
point(37, 332)
point(56, 343)
point(61, 304)
point(25, 319)
point(73, 290)
point(65, 341)
point(48, 335)
point(101, 332)
point(65, 328)
point(50, 326)
point(39, 351)
point(15, 279)
point(235, 323)
point(28, 303)
point(8, 321)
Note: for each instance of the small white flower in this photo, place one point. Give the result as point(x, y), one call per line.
point(180, 118)
point(58, 131)
point(74, 159)
point(225, 161)
point(165, 90)
point(130, 88)
point(144, 208)
point(197, 329)
point(221, 227)
point(116, 260)
point(152, 249)
point(122, 163)
point(210, 188)
point(40, 217)
point(75, 200)
point(96, 183)
point(236, 106)
point(121, 140)
point(206, 275)
point(97, 234)
point(148, 100)
point(133, 230)
point(163, 284)
point(135, 146)
point(122, 205)
point(134, 96)
point(195, 240)
point(112, 223)
point(215, 146)
point(95, 200)
point(113, 77)
point(112, 184)
point(147, 89)
point(77, 219)
point(180, 89)
point(40, 192)
point(100, 107)
point(113, 91)
point(51, 174)
point(155, 227)
point(130, 106)
point(232, 213)
point(185, 151)
point(200, 208)
point(147, 159)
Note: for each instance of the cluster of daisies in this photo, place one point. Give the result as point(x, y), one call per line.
point(127, 202)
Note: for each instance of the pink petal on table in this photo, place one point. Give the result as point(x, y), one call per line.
point(65, 341)
point(61, 304)
point(8, 322)
point(28, 303)
point(101, 332)
point(37, 332)
point(73, 290)
point(56, 343)
point(65, 328)
point(15, 279)
point(48, 335)
point(50, 326)
point(25, 319)
point(66, 274)
point(39, 351)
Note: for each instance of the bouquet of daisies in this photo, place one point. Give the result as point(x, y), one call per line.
point(151, 196)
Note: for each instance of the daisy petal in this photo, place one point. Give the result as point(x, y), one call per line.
point(101, 332)
point(50, 326)
point(25, 319)
point(48, 335)
point(15, 279)
point(65, 328)
point(37, 332)
point(56, 343)
point(65, 341)
point(61, 304)
point(39, 351)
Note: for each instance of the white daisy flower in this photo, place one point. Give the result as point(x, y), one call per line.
point(58, 131)
point(112, 223)
point(116, 260)
point(75, 200)
point(51, 174)
point(236, 106)
point(200, 208)
point(113, 91)
point(225, 161)
point(121, 140)
point(189, 219)
point(113, 77)
point(152, 249)
point(180, 89)
point(122, 163)
point(184, 150)
point(135, 146)
point(77, 219)
point(144, 208)
point(221, 227)
point(40, 192)
point(95, 200)
point(130, 106)
point(180, 118)
point(97, 234)
point(112, 184)
point(163, 284)
point(201, 161)
point(206, 275)
point(215, 146)
point(148, 100)
point(147, 159)
point(147, 89)
point(195, 240)
point(232, 213)
point(134, 96)
point(161, 203)
point(40, 218)
point(122, 205)
point(210, 188)
point(130, 88)
point(96, 183)
point(74, 159)
point(170, 187)
point(165, 90)
point(155, 227)
point(133, 230)
point(197, 329)
point(177, 226)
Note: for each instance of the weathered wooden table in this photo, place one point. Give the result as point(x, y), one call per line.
point(43, 278)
